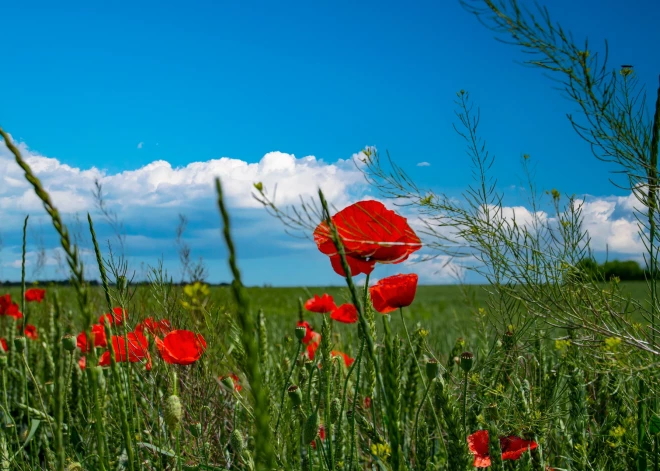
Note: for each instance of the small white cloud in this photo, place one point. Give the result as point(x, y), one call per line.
point(139, 146)
point(423, 164)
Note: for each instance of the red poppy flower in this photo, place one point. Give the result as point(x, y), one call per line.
point(321, 436)
point(117, 317)
point(234, 379)
point(138, 349)
point(154, 327)
point(82, 362)
point(35, 294)
point(322, 304)
point(347, 360)
point(346, 313)
point(512, 447)
point(313, 345)
point(98, 332)
point(478, 445)
point(181, 347)
point(3, 344)
point(357, 266)
point(9, 308)
point(367, 402)
point(370, 233)
point(309, 332)
point(30, 332)
point(393, 292)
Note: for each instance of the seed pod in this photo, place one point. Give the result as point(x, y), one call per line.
point(301, 332)
point(431, 369)
point(19, 344)
point(69, 342)
point(335, 408)
point(295, 394)
point(172, 412)
point(236, 441)
point(311, 429)
point(467, 359)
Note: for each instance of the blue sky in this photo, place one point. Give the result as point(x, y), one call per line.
point(118, 87)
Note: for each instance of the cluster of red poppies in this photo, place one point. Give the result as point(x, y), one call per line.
point(11, 308)
point(370, 234)
point(178, 347)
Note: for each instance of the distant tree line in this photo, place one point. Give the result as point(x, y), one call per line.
point(625, 270)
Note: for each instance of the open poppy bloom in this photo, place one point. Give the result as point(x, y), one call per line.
point(394, 292)
point(348, 361)
point(98, 332)
point(370, 233)
point(181, 347)
point(512, 447)
point(117, 317)
point(154, 327)
point(308, 332)
point(138, 349)
point(30, 332)
point(35, 294)
point(346, 313)
point(321, 304)
point(9, 308)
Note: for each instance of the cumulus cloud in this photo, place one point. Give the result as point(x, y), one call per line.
point(423, 164)
point(140, 145)
point(148, 199)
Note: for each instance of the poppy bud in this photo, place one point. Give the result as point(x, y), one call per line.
point(467, 359)
point(431, 368)
point(295, 394)
point(228, 382)
point(196, 430)
point(172, 412)
point(301, 332)
point(311, 428)
point(69, 342)
point(19, 344)
point(335, 409)
point(236, 441)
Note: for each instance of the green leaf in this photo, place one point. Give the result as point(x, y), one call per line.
point(654, 424)
point(33, 430)
point(156, 449)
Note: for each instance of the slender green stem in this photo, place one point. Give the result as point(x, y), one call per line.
point(465, 387)
point(286, 385)
point(421, 405)
point(355, 396)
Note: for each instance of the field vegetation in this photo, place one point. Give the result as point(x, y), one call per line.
point(549, 365)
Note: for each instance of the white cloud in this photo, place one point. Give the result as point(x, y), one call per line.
point(423, 164)
point(140, 144)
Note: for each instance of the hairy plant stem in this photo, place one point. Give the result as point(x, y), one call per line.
point(286, 385)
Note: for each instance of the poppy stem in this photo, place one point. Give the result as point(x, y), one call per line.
point(465, 387)
point(286, 385)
